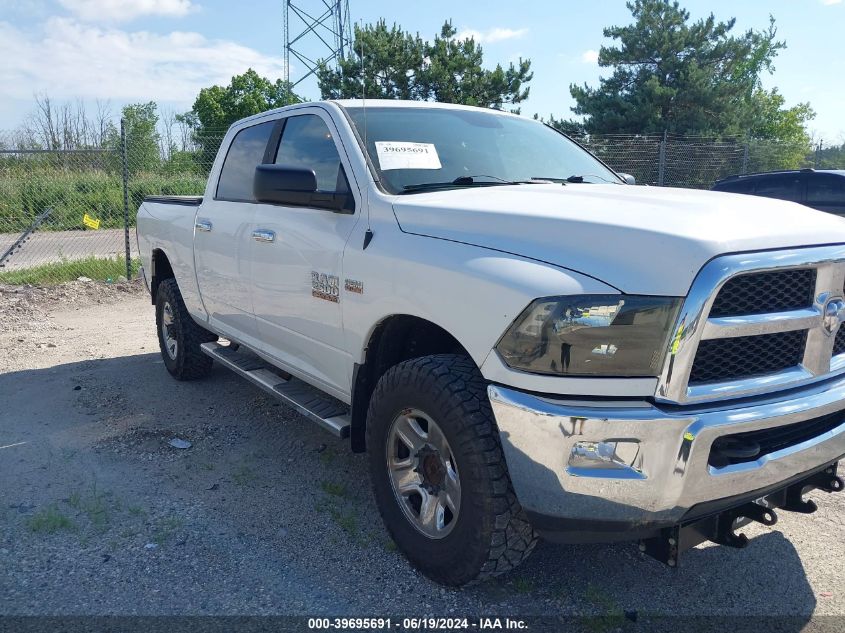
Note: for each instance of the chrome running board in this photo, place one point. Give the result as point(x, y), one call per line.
point(328, 412)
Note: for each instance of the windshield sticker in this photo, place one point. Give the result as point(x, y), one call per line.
point(404, 155)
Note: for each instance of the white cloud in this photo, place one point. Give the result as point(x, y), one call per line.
point(70, 60)
point(492, 36)
point(124, 10)
point(830, 2)
point(590, 57)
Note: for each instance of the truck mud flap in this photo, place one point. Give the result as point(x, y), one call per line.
point(721, 527)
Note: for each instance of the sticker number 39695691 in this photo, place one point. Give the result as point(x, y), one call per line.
point(406, 155)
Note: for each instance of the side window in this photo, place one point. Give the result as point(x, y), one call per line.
point(245, 153)
point(826, 189)
point(737, 186)
point(308, 142)
point(786, 187)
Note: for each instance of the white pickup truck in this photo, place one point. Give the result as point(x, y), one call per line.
point(525, 344)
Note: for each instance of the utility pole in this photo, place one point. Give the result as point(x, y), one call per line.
point(316, 32)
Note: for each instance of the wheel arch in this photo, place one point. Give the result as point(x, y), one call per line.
point(394, 339)
point(161, 269)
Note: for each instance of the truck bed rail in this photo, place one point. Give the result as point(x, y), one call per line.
point(188, 201)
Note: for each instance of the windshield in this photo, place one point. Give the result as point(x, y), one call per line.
point(445, 147)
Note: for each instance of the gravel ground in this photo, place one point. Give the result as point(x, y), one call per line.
point(267, 514)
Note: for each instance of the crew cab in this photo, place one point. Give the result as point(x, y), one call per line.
point(525, 344)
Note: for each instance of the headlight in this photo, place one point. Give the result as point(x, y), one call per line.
point(591, 335)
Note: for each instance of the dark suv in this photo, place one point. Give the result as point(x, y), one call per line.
point(823, 190)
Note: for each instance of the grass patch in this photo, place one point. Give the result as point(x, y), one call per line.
point(327, 456)
point(244, 475)
point(74, 185)
point(95, 507)
point(75, 500)
point(348, 522)
point(612, 618)
point(165, 529)
point(96, 268)
point(49, 521)
point(334, 489)
point(523, 585)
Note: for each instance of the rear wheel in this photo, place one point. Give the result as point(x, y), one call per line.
point(179, 336)
point(439, 475)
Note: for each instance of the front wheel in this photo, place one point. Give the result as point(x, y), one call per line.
point(179, 336)
point(439, 475)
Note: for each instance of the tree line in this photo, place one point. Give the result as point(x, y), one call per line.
point(669, 75)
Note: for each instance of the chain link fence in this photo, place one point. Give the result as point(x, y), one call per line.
point(69, 214)
point(694, 162)
point(66, 214)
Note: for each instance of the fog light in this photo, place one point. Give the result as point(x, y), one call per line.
point(610, 458)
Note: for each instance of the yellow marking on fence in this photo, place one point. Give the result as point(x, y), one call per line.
point(90, 222)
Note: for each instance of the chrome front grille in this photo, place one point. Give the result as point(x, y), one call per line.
point(758, 322)
point(839, 342)
point(722, 359)
point(760, 293)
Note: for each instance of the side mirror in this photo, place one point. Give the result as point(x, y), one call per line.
point(629, 179)
point(278, 184)
point(297, 187)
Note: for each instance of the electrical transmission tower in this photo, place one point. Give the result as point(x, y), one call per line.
point(316, 31)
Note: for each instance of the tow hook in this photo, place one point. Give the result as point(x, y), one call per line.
point(720, 528)
point(825, 480)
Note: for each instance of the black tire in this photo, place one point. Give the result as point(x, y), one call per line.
point(491, 534)
point(188, 362)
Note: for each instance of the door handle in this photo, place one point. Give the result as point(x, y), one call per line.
point(263, 235)
point(203, 225)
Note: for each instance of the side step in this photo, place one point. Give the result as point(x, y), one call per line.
point(328, 412)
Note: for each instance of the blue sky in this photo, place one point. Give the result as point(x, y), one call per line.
point(166, 50)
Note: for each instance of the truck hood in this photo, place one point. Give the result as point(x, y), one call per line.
point(641, 240)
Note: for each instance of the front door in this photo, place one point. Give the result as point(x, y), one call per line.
point(297, 258)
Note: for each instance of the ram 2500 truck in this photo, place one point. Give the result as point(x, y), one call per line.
point(525, 344)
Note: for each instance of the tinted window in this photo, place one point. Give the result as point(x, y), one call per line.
point(245, 154)
point(308, 142)
point(787, 187)
point(736, 186)
point(826, 190)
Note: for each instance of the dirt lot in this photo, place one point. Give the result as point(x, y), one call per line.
point(267, 514)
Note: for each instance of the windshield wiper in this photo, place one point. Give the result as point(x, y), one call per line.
point(578, 179)
point(460, 181)
point(574, 179)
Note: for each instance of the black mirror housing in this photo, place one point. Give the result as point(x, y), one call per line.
point(296, 187)
point(278, 184)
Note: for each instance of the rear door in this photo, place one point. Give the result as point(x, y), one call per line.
point(223, 235)
point(297, 257)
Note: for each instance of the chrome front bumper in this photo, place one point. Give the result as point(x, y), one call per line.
point(640, 466)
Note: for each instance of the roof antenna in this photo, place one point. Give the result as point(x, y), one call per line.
point(368, 234)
